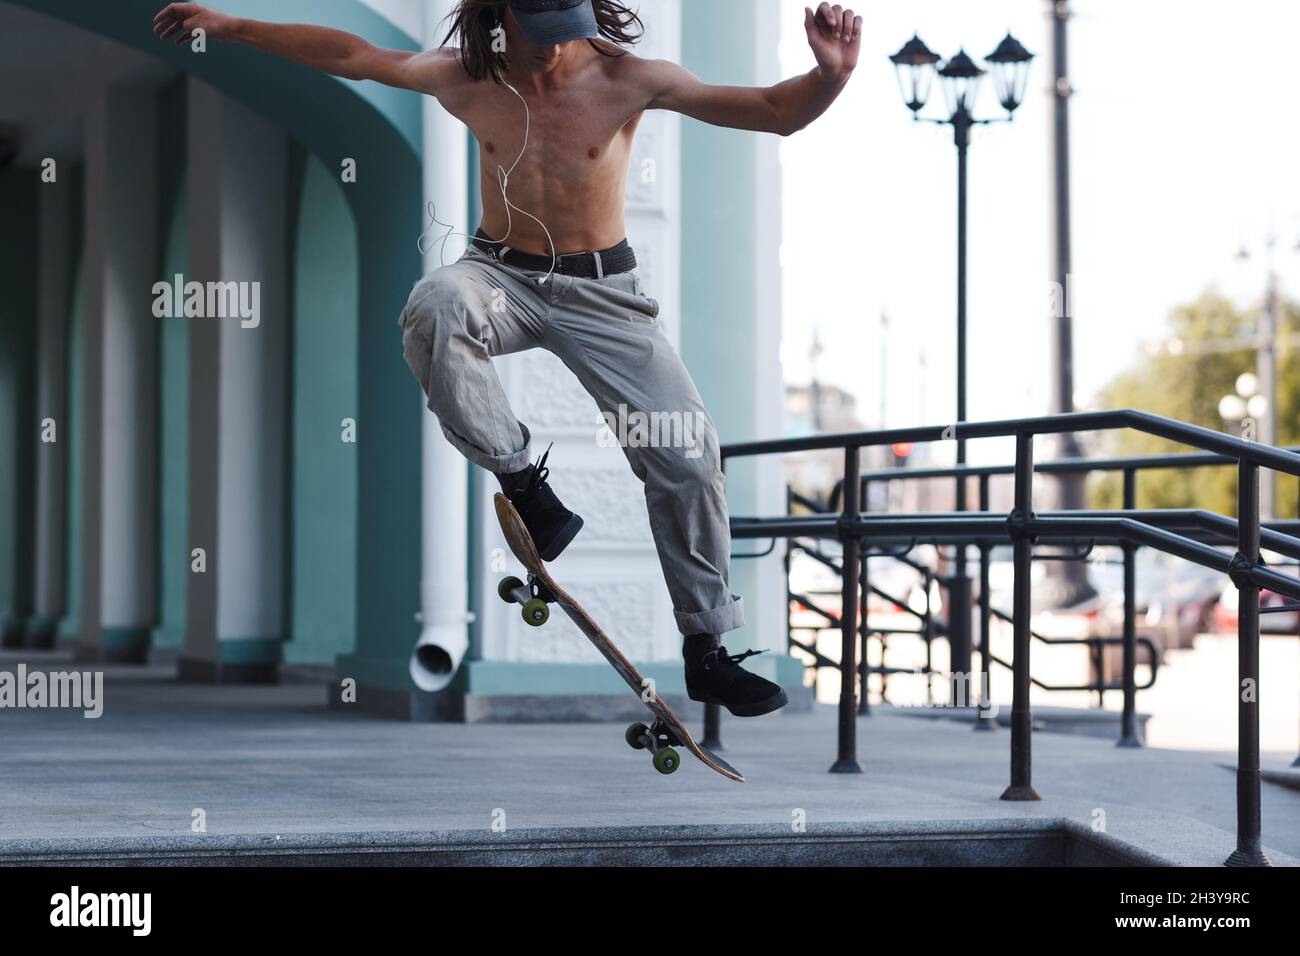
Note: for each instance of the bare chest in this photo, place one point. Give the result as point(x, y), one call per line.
point(574, 135)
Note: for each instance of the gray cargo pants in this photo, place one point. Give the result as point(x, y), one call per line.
point(606, 331)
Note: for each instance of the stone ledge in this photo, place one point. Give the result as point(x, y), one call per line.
point(1047, 841)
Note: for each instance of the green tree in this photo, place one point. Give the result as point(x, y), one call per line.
point(1188, 386)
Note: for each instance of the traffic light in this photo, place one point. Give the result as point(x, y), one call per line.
point(902, 452)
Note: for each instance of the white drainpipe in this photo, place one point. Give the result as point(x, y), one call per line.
point(444, 550)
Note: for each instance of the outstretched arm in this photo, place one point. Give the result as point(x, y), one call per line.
point(834, 34)
point(320, 48)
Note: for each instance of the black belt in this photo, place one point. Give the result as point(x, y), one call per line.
point(584, 265)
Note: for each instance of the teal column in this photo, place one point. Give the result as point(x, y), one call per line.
point(69, 626)
point(720, 246)
point(173, 383)
point(389, 421)
point(720, 238)
point(54, 279)
point(18, 428)
point(326, 435)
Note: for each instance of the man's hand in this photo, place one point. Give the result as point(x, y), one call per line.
point(180, 20)
point(835, 36)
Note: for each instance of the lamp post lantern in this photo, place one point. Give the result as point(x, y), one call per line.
point(915, 66)
point(1010, 62)
point(960, 76)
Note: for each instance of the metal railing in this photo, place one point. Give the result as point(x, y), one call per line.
point(1185, 533)
point(1131, 467)
point(930, 628)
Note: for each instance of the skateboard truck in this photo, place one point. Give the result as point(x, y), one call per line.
point(534, 597)
point(659, 739)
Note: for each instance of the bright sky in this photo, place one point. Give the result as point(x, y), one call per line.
point(1185, 145)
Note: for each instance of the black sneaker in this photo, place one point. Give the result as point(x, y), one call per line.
point(551, 525)
point(716, 677)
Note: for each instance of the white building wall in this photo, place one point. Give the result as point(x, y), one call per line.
point(254, 364)
point(238, 399)
point(612, 566)
point(120, 241)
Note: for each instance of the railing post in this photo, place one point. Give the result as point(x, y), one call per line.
point(1249, 850)
point(847, 761)
point(1296, 762)
point(984, 719)
point(928, 632)
point(1099, 671)
point(864, 591)
point(959, 608)
point(712, 729)
point(1022, 602)
point(712, 739)
point(1128, 722)
point(864, 665)
point(884, 669)
point(959, 631)
point(789, 617)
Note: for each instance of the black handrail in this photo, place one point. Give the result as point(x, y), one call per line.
point(1025, 530)
point(1237, 449)
point(1057, 466)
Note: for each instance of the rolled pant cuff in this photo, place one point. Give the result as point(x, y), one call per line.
point(728, 617)
point(497, 464)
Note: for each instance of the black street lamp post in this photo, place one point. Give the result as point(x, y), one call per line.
point(960, 77)
point(1065, 582)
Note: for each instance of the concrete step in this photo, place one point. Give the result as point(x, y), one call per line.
point(1045, 841)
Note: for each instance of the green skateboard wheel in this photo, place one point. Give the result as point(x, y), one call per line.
point(666, 760)
point(634, 734)
point(505, 586)
point(536, 613)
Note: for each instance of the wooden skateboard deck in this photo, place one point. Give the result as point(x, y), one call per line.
point(541, 588)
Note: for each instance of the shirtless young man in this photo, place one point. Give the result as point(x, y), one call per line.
point(550, 266)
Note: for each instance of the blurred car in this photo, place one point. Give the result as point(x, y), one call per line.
point(1192, 596)
point(1281, 622)
point(1175, 599)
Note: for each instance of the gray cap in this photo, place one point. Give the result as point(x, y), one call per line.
point(548, 22)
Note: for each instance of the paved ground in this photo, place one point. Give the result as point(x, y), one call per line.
point(274, 760)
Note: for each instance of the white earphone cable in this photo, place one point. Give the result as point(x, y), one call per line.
point(503, 181)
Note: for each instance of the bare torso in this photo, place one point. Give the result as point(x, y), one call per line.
point(573, 174)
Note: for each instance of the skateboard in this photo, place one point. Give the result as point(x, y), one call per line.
point(535, 597)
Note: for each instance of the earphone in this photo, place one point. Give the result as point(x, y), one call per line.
point(503, 180)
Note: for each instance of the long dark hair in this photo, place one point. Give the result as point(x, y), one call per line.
point(472, 23)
